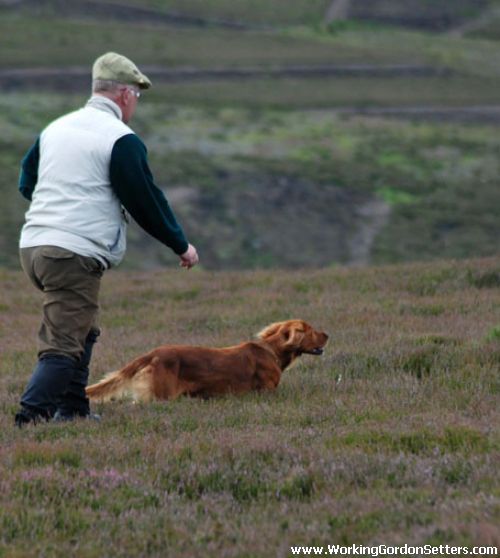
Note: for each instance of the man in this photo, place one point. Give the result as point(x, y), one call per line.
point(82, 173)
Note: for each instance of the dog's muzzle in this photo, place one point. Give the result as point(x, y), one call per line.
point(318, 351)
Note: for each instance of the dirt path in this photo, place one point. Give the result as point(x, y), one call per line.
point(479, 114)
point(475, 24)
point(374, 215)
point(120, 12)
point(27, 77)
point(77, 78)
point(339, 9)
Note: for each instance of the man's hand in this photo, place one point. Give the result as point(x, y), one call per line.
point(189, 258)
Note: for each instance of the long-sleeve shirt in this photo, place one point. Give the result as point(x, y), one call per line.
point(130, 180)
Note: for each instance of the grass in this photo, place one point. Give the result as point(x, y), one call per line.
point(390, 437)
point(277, 145)
point(313, 11)
point(258, 12)
point(345, 42)
point(437, 181)
point(171, 46)
point(330, 92)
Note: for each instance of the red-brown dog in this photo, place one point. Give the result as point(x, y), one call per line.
point(173, 370)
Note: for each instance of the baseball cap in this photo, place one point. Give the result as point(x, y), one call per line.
point(113, 66)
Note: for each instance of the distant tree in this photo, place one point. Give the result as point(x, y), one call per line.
point(338, 10)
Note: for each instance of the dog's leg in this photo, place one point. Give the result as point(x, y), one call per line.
point(165, 380)
point(267, 378)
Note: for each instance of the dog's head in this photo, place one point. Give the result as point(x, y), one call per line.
point(295, 337)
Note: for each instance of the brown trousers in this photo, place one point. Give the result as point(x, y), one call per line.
point(70, 285)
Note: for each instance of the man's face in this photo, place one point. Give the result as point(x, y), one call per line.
point(129, 98)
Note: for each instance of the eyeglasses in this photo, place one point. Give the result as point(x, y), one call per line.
point(135, 93)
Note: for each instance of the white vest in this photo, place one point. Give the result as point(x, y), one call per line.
point(73, 204)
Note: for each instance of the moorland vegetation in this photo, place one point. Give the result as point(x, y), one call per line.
point(391, 437)
point(284, 169)
point(368, 140)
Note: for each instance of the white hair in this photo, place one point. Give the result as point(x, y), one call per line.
point(106, 86)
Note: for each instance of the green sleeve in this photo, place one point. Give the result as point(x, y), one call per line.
point(133, 183)
point(28, 176)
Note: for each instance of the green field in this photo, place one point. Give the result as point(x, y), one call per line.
point(149, 44)
point(356, 189)
point(233, 142)
point(56, 41)
point(294, 93)
point(282, 12)
point(253, 12)
point(300, 207)
point(391, 437)
point(310, 168)
point(50, 37)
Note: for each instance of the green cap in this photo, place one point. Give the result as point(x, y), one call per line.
point(115, 67)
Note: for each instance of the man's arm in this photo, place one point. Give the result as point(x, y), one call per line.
point(29, 171)
point(133, 183)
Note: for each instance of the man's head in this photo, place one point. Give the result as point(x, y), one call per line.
point(118, 78)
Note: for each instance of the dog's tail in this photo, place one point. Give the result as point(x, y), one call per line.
point(116, 384)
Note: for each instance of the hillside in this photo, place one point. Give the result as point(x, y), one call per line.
point(281, 140)
point(390, 438)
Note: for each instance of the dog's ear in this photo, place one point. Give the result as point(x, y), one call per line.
point(294, 334)
point(270, 330)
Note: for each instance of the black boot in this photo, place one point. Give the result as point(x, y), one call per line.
point(28, 414)
point(49, 381)
point(74, 402)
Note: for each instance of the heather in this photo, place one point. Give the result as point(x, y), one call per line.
point(391, 437)
point(375, 135)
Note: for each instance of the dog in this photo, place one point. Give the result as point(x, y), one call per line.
point(173, 370)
